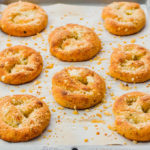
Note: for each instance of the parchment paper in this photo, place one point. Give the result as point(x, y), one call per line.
point(66, 126)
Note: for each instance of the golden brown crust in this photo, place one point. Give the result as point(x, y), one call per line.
point(74, 42)
point(22, 117)
point(130, 63)
point(132, 113)
point(23, 19)
point(19, 64)
point(123, 18)
point(78, 88)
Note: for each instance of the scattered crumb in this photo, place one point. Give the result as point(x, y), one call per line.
point(100, 60)
point(30, 91)
point(133, 40)
point(124, 86)
point(49, 130)
point(61, 108)
point(99, 115)
point(22, 90)
point(85, 140)
point(51, 26)
point(98, 121)
point(109, 87)
point(44, 49)
point(97, 133)
point(105, 134)
point(148, 85)
point(75, 112)
point(53, 110)
point(111, 94)
point(37, 82)
point(107, 113)
point(50, 66)
point(8, 44)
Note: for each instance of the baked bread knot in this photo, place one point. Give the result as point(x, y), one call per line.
point(74, 42)
point(19, 64)
point(23, 19)
point(132, 113)
point(22, 117)
point(123, 18)
point(78, 88)
point(130, 63)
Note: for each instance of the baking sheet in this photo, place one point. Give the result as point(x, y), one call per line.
point(68, 127)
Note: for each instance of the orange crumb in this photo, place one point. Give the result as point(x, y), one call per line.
point(98, 121)
point(107, 73)
point(75, 112)
point(97, 133)
point(100, 60)
point(99, 115)
point(112, 94)
point(53, 110)
point(22, 90)
point(50, 66)
point(46, 71)
point(86, 140)
point(61, 108)
point(8, 44)
point(124, 86)
point(44, 49)
point(141, 37)
point(30, 91)
point(12, 90)
point(133, 40)
point(105, 107)
point(37, 82)
point(109, 87)
point(51, 26)
point(49, 130)
point(81, 18)
point(107, 113)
